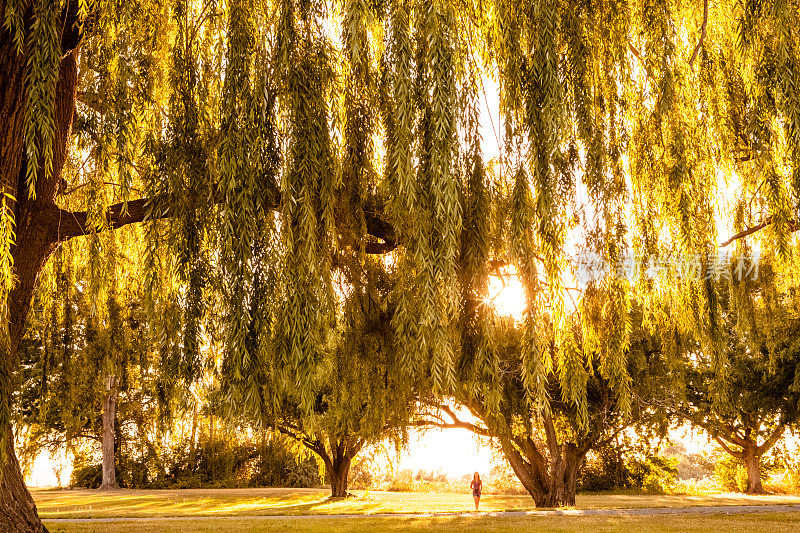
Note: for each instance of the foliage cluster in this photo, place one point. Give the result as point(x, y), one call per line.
point(624, 465)
point(222, 463)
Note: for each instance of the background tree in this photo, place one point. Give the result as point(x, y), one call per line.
point(84, 355)
point(360, 395)
point(546, 448)
point(759, 387)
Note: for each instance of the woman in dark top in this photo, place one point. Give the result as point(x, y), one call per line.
point(476, 485)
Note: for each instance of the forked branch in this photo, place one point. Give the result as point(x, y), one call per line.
point(702, 33)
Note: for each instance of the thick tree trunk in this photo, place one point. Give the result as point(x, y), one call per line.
point(337, 472)
point(35, 240)
point(572, 462)
point(553, 487)
point(752, 462)
point(563, 479)
point(109, 419)
point(524, 470)
point(32, 249)
point(17, 508)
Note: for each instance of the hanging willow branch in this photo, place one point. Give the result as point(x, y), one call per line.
point(269, 113)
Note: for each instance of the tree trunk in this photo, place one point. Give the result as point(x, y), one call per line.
point(525, 471)
point(192, 442)
point(555, 496)
point(211, 447)
point(35, 236)
point(752, 462)
point(337, 472)
point(563, 479)
point(555, 487)
point(31, 251)
point(573, 461)
point(109, 418)
point(17, 508)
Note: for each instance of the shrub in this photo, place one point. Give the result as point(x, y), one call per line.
point(87, 477)
point(401, 482)
point(730, 474)
point(217, 463)
point(361, 476)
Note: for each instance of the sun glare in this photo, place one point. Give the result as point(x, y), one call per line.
point(507, 295)
point(49, 471)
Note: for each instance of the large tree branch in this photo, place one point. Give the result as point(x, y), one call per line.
point(73, 28)
point(550, 433)
point(776, 434)
point(460, 424)
point(718, 430)
point(455, 422)
point(65, 224)
point(314, 445)
point(737, 455)
point(793, 225)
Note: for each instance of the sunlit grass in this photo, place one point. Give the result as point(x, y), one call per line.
point(744, 523)
point(252, 502)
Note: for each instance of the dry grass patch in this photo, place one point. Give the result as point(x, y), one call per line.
point(253, 502)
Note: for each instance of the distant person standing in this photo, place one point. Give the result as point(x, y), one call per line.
point(476, 485)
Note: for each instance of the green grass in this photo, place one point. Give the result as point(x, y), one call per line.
point(744, 523)
point(249, 502)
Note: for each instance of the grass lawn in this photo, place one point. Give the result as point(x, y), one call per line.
point(744, 523)
point(248, 502)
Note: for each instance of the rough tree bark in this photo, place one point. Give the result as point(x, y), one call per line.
point(551, 483)
point(752, 462)
point(35, 241)
point(337, 471)
point(337, 461)
point(109, 419)
point(17, 508)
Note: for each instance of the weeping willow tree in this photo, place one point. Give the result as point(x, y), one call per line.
point(262, 140)
point(546, 451)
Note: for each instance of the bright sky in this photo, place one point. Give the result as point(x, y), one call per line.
point(43, 470)
point(454, 452)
